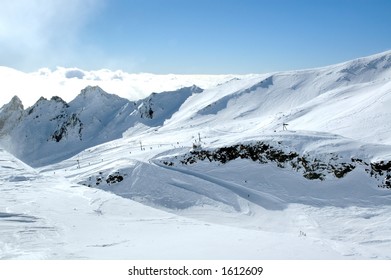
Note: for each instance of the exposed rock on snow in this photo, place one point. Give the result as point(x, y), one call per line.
point(312, 166)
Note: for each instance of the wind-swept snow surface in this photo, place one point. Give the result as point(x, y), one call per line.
point(206, 173)
point(47, 217)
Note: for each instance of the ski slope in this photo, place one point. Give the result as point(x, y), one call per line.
point(48, 217)
point(103, 177)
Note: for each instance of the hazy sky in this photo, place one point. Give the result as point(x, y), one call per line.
point(190, 36)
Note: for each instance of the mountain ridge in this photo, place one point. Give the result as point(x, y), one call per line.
point(92, 118)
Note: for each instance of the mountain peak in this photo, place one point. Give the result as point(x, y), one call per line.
point(93, 94)
point(14, 105)
point(59, 100)
point(92, 90)
point(10, 115)
point(196, 89)
point(16, 102)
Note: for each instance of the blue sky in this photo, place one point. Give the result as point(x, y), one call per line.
point(191, 36)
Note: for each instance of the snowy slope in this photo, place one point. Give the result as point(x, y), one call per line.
point(351, 99)
point(47, 217)
point(210, 173)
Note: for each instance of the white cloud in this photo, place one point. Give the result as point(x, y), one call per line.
point(42, 32)
point(47, 83)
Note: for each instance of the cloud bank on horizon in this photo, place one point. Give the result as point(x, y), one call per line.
point(68, 82)
point(190, 37)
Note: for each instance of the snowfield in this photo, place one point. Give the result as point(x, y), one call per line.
point(204, 171)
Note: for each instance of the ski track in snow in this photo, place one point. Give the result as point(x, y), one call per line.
point(265, 200)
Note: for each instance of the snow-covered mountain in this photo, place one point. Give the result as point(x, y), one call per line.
point(297, 161)
point(54, 130)
point(351, 99)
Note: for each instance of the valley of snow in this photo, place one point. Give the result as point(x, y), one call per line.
point(203, 169)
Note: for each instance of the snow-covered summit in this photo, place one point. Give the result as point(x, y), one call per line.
point(93, 93)
point(15, 104)
point(10, 115)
